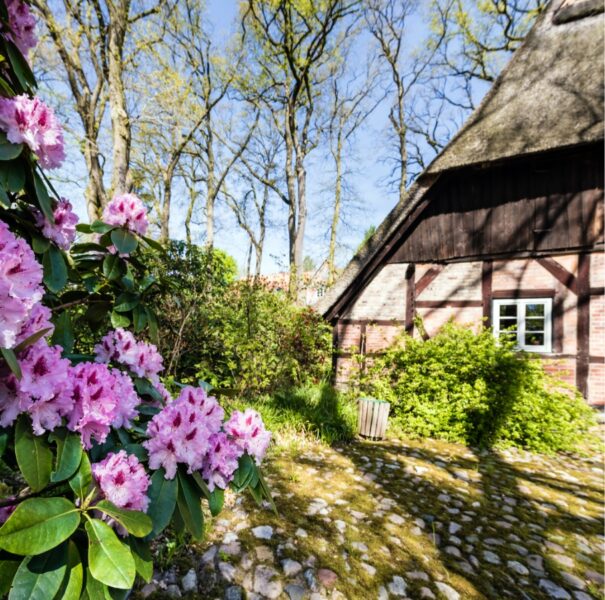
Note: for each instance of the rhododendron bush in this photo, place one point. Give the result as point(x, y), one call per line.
point(98, 458)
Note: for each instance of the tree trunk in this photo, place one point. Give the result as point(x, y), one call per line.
point(292, 206)
point(165, 217)
point(211, 192)
point(337, 202)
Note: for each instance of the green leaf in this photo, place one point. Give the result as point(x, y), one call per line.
point(4, 199)
point(110, 560)
point(64, 332)
point(139, 318)
point(162, 495)
point(11, 360)
point(40, 577)
point(124, 241)
point(12, 174)
point(83, 228)
point(55, 269)
point(126, 301)
point(9, 564)
point(142, 557)
point(113, 267)
point(3, 443)
point(43, 198)
point(38, 525)
point(34, 456)
point(100, 227)
point(244, 474)
point(69, 455)
point(31, 340)
point(135, 522)
point(144, 388)
point(8, 150)
point(118, 320)
point(81, 482)
point(216, 501)
point(190, 506)
point(266, 491)
point(40, 244)
point(153, 243)
point(20, 67)
point(95, 590)
point(153, 324)
point(71, 588)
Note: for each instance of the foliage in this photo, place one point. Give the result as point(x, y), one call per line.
point(468, 387)
point(82, 499)
point(239, 336)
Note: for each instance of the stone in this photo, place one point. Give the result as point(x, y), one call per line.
point(266, 582)
point(535, 561)
point(327, 578)
point(173, 591)
point(382, 593)
point(189, 581)
point(517, 567)
point(398, 586)
point(595, 577)
point(553, 590)
point(449, 592)
point(453, 551)
point(519, 549)
point(369, 569)
point(311, 580)
point(232, 549)
point(301, 533)
point(426, 593)
point(397, 519)
point(209, 555)
point(360, 546)
point(573, 581)
point(563, 560)
point(295, 592)
point(417, 575)
point(233, 592)
point(340, 525)
point(454, 528)
point(582, 596)
point(148, 589)
point(263, 532)
point(230, 538)
point(291, 567)
point(264, 553)
point(491, 557)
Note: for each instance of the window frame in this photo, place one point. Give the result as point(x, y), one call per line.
point(521, 303)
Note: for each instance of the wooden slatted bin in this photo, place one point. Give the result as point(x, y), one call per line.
point(373, 417)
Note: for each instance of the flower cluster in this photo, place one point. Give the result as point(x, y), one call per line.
point(123, 480)
point(127, 211)
point(20, 285)
point(103, 398)
point(63, 230)
point(30, 121)
point(37, 321)
point(190, 431)
point(249, 433)
point(22, 26)
point(142, 358)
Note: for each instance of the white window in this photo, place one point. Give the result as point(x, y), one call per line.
point(529, 321)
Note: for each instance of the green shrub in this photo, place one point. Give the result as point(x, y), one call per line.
point(467, 387)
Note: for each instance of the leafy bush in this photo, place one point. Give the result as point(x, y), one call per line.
point(468, 387)
point(237, 335)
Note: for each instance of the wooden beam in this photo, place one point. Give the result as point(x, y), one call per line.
point(486, 291)
point(583, 323)
point(517, 293)
point(382, 322)
point(557, 270)
point(448, 303)
point(410, 298)
point(427, 278)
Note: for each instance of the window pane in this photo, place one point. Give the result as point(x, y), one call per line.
point(534, 310)
point(534, 324)
point(534, 339)
point(508, 310)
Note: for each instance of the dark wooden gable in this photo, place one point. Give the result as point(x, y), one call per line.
point(534, 205)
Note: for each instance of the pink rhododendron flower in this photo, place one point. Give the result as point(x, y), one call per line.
point(141, 358)
point(11, 403)
point(22, 24)
point(98, 401)
point(123, 480)
point(220, 462)
point(126, 408)
point(30, 121)
point(7, 511)
point(249, 433)
point(127, 211)
point(38, 320)
point(20, 285)
point(181, 432)
point(63, 230)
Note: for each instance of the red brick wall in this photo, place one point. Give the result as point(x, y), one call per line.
point(384, 300)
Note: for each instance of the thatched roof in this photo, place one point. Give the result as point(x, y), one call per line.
point(550, 95)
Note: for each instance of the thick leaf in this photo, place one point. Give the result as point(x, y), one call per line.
point(31, 340)
point(9, 563)
point(38, 525)
point(144, 388)
point(100, 227)
point(64, 332)
point(110, 560)
point(55, 269)
point(3, 442)
point(216, 501)
point(126, 301)
point(153, 244)
point(142, 557)
point(11, 360)
point(8, 150)
point(244, 473)
point(43, 198)
point(265, 490)
point(34, 456)
point(119, 320)
point(95, 590)
point(20, 67)
point(83, 228)
point(135, 522)
point(201, 484)
point(71, 588)
point(113, 267)
point(81, 482)
point(139, 318)
point(190, 506)
point(4, 199)
point(124, 241)
point(153, 324)
point(69, 455)
point(40, 577)
point(162, 495)
point(12, 173)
